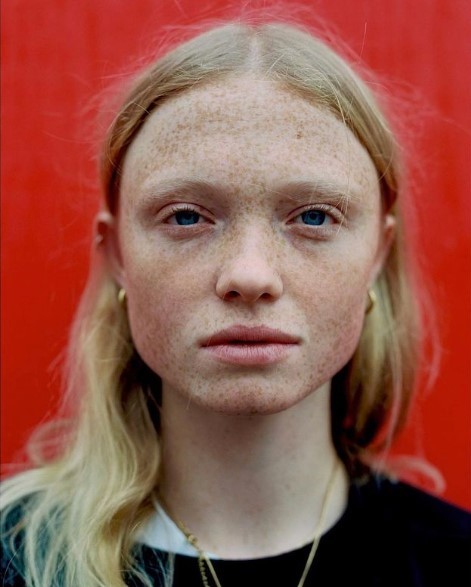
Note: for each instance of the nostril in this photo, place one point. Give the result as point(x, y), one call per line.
point(248, 286)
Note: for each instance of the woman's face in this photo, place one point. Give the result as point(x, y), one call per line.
point(249, 230)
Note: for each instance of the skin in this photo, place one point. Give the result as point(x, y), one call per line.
point(265, 156)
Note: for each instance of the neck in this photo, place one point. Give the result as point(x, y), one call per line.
point(250, 486)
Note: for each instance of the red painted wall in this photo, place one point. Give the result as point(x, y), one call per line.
point(58, 55)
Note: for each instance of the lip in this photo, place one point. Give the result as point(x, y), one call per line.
point(250, 345)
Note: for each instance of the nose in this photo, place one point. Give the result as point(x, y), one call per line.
point(248, 272)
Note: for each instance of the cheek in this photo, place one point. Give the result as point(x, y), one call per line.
point(339, 335)
point(333, 304)
point(161, 302)
point(332, 280)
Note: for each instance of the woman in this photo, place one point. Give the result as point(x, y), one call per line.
point(245, 349)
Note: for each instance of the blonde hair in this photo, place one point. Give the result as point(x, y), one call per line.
point(86, 503)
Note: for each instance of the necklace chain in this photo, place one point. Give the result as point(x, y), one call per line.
point(204, 562)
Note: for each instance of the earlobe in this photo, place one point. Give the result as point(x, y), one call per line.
point(106, 240)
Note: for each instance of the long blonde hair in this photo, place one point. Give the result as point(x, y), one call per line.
point(86, 502)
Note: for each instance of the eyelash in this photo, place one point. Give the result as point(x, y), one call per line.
point(331, 212)
point(182, 208)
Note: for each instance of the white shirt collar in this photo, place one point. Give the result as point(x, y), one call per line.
point(161, 532)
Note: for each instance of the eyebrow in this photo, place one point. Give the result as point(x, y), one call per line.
point(319, 191)
point(186, 185)
point(316, 190)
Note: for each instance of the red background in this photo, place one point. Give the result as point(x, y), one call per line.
point(58, 55)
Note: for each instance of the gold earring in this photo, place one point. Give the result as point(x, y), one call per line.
point(372, 298)
point(122, 296)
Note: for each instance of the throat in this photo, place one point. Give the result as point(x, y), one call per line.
point(275, 537)
point(262, 476)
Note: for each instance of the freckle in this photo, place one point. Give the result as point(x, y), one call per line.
point(299, 135)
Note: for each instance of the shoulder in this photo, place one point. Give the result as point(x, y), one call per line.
point(420, 536)
point(11, 562)
point(414, 509)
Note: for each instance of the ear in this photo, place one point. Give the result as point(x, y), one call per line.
point(386, 239)
point(107, 241)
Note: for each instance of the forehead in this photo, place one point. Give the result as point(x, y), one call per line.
point(246, 129)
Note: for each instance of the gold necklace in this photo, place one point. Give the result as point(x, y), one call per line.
point(203, 558)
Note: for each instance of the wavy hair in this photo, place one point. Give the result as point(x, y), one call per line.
point(82, 507)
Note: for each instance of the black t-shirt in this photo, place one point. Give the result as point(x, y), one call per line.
point(391, 535)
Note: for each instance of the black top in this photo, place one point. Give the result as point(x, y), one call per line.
point(391, 535)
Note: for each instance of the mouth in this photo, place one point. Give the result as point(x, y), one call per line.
point(250, 346)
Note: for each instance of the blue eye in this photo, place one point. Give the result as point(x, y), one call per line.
point(186, 217)
point(314, 217)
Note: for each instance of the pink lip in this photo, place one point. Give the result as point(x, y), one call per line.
point(250, 345)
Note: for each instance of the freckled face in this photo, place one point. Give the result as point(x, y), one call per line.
point(242, 204)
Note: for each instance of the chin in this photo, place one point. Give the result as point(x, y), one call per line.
point(253, 401)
